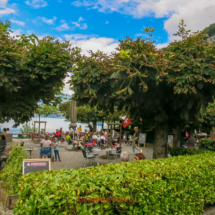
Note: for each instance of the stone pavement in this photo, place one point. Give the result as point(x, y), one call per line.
point(74, 159)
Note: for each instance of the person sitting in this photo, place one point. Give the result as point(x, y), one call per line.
point(87, 136)
point(5, 130)
point(116, 145)
point(95, 137)
point(124, 157)
point(8, 131)
point(68, 136)
point(74, 143)
point(139, 156)
point(57, 134)
point(191, 142)
point(42, 135)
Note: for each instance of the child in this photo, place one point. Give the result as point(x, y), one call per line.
point(56, 149)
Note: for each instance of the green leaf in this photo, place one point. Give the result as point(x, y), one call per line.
point(130, 91)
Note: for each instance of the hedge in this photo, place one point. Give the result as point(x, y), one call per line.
point(207, 144)
point(177, 185)
point(177, 151)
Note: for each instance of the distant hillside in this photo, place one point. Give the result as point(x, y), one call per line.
point(210, 30)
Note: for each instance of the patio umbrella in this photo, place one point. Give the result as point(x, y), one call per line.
point(73, 115)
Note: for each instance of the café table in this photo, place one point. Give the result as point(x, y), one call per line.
point(107, 150)
point(30, 150)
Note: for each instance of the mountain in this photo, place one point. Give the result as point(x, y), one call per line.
point(210, 30)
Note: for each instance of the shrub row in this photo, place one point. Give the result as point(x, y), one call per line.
point(12, 173)
point(178, 185)
point(177, 151)
point(207, 144)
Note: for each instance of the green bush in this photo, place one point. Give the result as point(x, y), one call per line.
point(12, 173)
point(207, 144)
point(177, 151)
point(178, 185)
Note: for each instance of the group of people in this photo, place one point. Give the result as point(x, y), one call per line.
point(6, 130)
point(46, 142)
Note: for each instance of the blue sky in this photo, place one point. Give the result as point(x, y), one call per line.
point(99, 24)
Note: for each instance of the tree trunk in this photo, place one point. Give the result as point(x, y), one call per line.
point(94, 126)
point(102, 124)
point(160, 141)
point(39, 128)
point(177, 137)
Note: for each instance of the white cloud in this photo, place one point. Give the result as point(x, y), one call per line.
point(17, 22)
point(92, 42)
point(89, 42)
point(162, 45)
point(48, 21)
point(37, 3)
point(79, 25)
point(62, 21)
point(66, 89)
point(7, 11)
point(197, 14)
point(106, 22)
point(15, 33)
point(63, 27)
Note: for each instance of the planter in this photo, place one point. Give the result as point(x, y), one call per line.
point(8, 200)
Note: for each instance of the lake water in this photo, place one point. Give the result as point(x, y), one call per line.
point(51, 125)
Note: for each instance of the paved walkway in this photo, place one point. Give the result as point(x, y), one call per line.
point(74, 159)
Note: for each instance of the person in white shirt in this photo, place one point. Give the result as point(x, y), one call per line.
point(95, 137)
point(8, 131)
point(46, 142)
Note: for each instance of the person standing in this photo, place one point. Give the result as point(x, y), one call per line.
point(79, 128)
point(191, 141)
point(135, 140)
point(90, 127)
point(56, 149)
point(114, 134)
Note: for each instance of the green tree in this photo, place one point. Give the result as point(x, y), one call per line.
point(31, 70)
point(166, 90)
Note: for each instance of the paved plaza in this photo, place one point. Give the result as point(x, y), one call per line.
point(74, 159)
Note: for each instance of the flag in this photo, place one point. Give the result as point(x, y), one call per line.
point(126, 122)
point(187, 135)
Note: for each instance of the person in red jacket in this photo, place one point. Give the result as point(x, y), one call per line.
point(57, 134)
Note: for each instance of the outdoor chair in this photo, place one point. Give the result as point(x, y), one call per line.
point(93, 141)
point(117, 153)
point(87, 157)
point(89, 149)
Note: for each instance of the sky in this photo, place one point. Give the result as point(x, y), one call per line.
point(100, 24)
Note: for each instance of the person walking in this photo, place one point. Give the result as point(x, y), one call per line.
point(135, 140)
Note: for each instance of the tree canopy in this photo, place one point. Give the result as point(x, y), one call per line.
point(31, 70)
point(166, 89)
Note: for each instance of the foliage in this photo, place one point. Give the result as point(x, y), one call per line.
point(27, 127)
point(31, 70)
point(166, 89)
point(12, 172)
point(178, 151)
point(210, 30)
point(207, 117)
point(161, 186)
point(88, 114)
point(46, 110)
point(182, 32)
point(207, 144)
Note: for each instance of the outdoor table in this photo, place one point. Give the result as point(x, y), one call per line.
point(107, 150)
point(30, 150)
